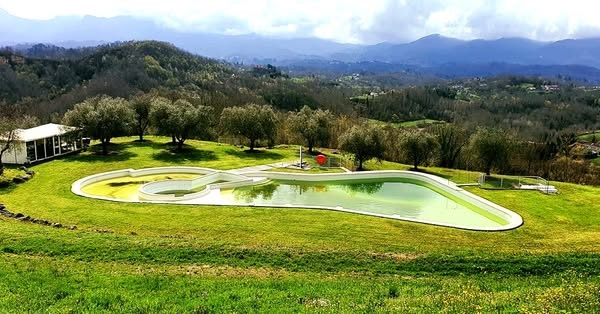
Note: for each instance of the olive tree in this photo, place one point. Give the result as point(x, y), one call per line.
point(159, 116)
point(491, 147)
point(10, 132)
point(180, 119)
point(252, 121)
point(101, 118)
point(418, 147)
point(363, 142)
point(312, 125)
point(141, 105)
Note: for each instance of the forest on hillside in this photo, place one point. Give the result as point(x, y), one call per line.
point(45, 81)
point(542, 117)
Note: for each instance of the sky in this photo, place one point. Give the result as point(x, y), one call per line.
point(349, 21)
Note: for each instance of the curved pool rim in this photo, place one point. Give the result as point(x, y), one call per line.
point(151, 195)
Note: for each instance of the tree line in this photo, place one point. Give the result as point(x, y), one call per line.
point(312, 110)
point(47, 84)
point(446, 145)
point(104, 117)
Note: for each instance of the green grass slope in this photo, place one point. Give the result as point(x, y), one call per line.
point(175, 258)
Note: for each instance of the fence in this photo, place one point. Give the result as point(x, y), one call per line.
point(337, 162)
point(509, 182)
point(330, 162)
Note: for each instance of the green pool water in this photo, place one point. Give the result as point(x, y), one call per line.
point(126, 188)
point(401, 197)
point(398, 197)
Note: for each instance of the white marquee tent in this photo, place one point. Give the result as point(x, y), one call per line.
point(43, 142)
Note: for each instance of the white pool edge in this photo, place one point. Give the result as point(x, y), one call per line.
point(514, 219)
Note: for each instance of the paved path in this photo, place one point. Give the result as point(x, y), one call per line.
point(260, 167)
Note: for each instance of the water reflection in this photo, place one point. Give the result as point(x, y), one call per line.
point(249, 194)
point(304, 188)
point(396, 198)
point(367, 188)
point(123, 183)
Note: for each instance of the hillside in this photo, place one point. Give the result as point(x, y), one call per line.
point(436, 50)
point(48, 87)
point(74, 31)
point(52, 82)
point(429, 51)
point(48, 80)
point(119, 69)
point(45, 85)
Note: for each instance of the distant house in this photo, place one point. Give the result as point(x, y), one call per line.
point(43, 142)
point(552, 87)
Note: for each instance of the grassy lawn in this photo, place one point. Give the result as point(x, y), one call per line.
point(590, 136)
point(315, 168)
point(417, 123)
point(6, 179)
point(177, 258)
point(407, 124)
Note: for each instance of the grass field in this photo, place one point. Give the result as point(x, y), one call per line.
point(176, 258)
point(407, 124)
point(6, 179)
point(589, 136)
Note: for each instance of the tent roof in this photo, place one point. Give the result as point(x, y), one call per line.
point(43, 131)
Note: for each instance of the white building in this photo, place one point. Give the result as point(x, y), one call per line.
point(43, 142)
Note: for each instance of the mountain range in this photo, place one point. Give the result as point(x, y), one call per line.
point(437, 50)
point(577, 58)
point(77, 31)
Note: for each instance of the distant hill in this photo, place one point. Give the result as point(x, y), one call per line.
point(120, 70)
point(48, 51)
point(432, 50)
point(74, 31)
point(418, 75)
point(46, 80)
point(435, 55)
point(575, 73)
point(435, 50)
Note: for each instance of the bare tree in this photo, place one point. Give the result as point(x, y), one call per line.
point(451, 139)
point(10, 132)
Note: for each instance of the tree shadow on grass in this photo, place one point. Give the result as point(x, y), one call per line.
point(189, 153)
point(256, 154)
point(111, 157)
point(145, 143)
point(116, 152)
point(7, 189)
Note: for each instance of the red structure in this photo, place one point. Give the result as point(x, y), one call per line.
point(321, 159)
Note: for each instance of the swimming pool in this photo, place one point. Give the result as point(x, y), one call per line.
point(394, 197)
point(404, 195)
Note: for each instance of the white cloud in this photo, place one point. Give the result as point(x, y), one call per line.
point(346, 21)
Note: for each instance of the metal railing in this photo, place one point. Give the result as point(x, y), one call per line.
point(500, 182)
